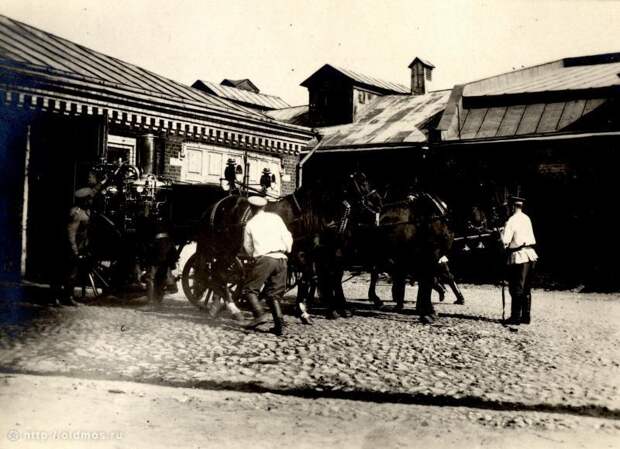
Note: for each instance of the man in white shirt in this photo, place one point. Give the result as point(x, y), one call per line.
point(518, 238)
point(267, 240)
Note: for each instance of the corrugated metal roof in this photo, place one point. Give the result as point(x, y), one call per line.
point(296, 115)
point(547, 78)
point(28, 50)
point(543, 99)
point(519, 120)
point(246, 96)
point(388, 119)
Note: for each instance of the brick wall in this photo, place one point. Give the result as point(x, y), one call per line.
point(169, 146)
point(289, 163)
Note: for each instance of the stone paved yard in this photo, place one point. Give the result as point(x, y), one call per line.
point(566, 361)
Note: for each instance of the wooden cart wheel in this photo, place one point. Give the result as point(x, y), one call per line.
point(203, 284)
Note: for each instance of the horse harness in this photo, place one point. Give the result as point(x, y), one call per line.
point(441, 209)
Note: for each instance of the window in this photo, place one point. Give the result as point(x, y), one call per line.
point(121, 148)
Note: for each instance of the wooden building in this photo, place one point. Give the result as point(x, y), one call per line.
point(337, 94)
point(64, 106)
point(548, 132)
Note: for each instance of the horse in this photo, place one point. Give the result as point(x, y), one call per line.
point(331, 231)
point(411, 238)
point(408, 236)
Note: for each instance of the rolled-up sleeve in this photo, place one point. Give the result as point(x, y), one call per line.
point(248, 244)
point(508, 233)
point(287, 238)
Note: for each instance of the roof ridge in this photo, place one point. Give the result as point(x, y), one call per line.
point(238, 88)
point(356, 72)
point(220, 103)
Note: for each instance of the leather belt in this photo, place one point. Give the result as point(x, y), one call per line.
point(519, 248)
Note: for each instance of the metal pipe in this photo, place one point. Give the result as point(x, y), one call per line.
point(147, 153)
point(300, 166)
point(24, 254)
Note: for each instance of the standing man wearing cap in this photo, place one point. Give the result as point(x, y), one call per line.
point(266, 180)
point(230, 175)
point(518, 238)
point(267, 240)
point(76, 242)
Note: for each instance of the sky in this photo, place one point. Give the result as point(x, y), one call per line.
point(278, 44)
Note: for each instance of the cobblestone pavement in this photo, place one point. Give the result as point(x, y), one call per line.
point(566, 361)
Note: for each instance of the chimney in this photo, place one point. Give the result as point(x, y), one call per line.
point(421, 75)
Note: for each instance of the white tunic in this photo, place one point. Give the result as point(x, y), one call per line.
point(266, 234)
point(518, 232)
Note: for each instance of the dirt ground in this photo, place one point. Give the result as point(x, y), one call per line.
point(59, 412)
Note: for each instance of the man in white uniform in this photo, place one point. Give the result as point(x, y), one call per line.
point(267, 240)
point(518, 238)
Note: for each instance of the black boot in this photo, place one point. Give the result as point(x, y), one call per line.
point(260, 316)
point(278, 318)
point(515, 310)
point(525, 311)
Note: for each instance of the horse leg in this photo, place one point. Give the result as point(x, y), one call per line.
point(424, 306)
point(302, 296)
point(439, 289)
point(325, 283)
point(343, 307)
point(448, 278)
point(399, 281)
point(372, 294)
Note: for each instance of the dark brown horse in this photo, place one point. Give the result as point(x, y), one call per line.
point(332, 233)
point(411, 237)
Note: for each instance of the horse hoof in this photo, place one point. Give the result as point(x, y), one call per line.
point(459, 301)
point(426, 319)
point(332, 315)
point(236, 316)
point(305, 319)
point(345, 313)
point(399, 308)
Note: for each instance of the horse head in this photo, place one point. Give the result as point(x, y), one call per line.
point(431, 215)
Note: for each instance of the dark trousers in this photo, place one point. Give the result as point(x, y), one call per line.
point(271, 273)
point(519, 285)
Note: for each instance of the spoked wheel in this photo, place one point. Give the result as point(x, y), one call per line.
point(203, 281)
point(292, 279)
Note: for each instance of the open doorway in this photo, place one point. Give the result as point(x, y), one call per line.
point(60, 151)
